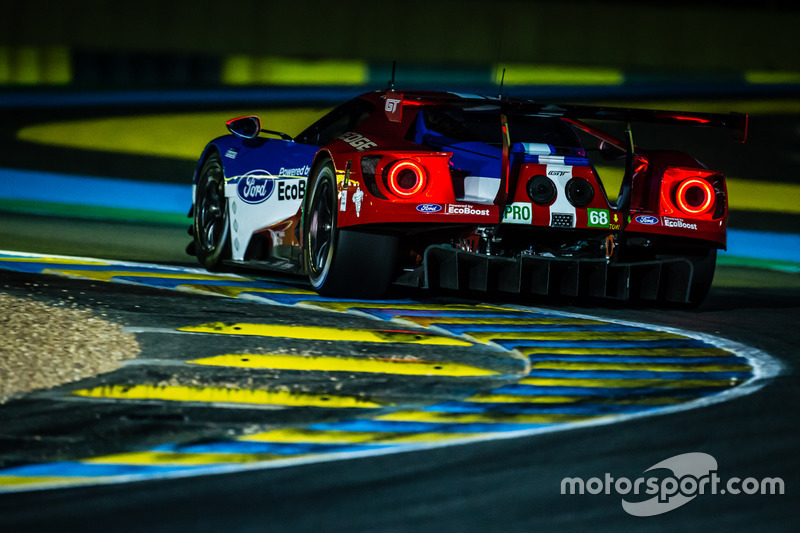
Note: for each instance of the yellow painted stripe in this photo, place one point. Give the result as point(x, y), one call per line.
point(345, 305)
point(108, 275)
point(29, 65)
point(182, 459)
point(627, 383)
point(771, 76)
point(170, 135)
point(751, 195)
point(247, 70)
point(326, 334)
point(628, 352)
point(5, 64)
point(235, 292)
point(412, 367)
point(427, 321)
point(54, 260)
point(648, 367)
point(345, 437)
point(224, 395)
point(480, 418)
point(485, 336)
point(529, 74)
point(532, 399)
point(10, 481)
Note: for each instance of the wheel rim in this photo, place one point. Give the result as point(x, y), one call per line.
point(320, 234)
point(213, 223)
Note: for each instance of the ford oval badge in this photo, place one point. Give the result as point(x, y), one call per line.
point(255, 189)
point(647, 219)
point(429, 208)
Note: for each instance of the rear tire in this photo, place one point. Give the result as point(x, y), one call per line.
point(211, 230)
point(341, 262)
point(704, 266)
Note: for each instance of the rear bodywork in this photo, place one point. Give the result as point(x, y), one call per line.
point(488, 194)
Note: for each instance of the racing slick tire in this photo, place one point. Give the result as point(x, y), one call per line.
point(341, 262)
point(704, 265)
point(704, 262)
point(211, 229)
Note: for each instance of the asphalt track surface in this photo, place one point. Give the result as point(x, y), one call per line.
point(501, 485)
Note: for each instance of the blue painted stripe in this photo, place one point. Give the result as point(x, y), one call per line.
point(94, 191)
point(31, 268)
point(643, 344)
point(388, 314)
point(394, 426)
point(720, 360)
point(166, 283)
point(498, 328)
point(532, 409)
point(260, 284)
point(254, 447)
point(36, 266)
point(763, 245)
point(294, 299)
point(445, 312)
point(604, 392)
point(97, 265)
point(637, 374)
point(78, 469)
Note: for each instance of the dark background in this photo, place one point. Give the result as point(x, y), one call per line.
point(186, 43)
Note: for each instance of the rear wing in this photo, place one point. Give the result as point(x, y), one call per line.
point(736, 122)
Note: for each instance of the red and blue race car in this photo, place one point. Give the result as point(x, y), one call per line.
point(452, 191)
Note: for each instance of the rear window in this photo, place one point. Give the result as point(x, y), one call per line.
point(482, 124)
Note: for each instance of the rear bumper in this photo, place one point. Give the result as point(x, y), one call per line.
point(667, 280)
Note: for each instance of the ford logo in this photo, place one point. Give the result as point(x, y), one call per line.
point(429, 208)
point(254, 189)
point(647, 219)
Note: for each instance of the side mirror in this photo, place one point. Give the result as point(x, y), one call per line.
point(609, 152)
point(247, 127)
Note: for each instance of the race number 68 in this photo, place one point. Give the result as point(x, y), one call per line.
point(598, 218)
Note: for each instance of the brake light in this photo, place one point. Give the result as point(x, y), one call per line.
point(693, 193)
point(694, 196)
point(407, 178)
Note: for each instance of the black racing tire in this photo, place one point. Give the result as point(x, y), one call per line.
point(211, 228)
point(704, 266)
point(341, 262)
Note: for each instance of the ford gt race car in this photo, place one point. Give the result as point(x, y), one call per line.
point(450, 191)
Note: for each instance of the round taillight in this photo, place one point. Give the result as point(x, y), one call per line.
point(694, 196)
point(407, 178)
point(579, 192)
point(541, 190)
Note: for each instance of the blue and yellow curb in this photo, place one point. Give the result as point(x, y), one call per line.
point(576, 371)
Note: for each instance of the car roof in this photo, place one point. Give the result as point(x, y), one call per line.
point(433, 97)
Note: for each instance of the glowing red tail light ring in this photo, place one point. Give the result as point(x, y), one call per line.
point(685, 187)
point(394, 176)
